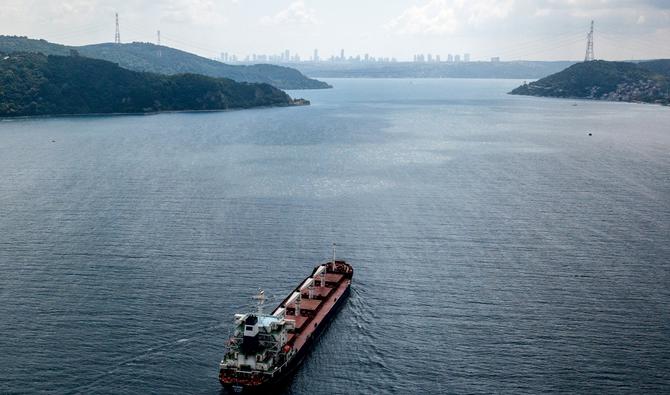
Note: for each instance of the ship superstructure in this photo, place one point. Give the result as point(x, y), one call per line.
point(265, 348)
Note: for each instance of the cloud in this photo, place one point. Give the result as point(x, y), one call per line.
point(484, 10)
point(190, 11)
point(444, 17)
point(432, 18)
point(52, 12)
point(597, 8)
point(627, 16)
point(438, 17)
point(295, 14)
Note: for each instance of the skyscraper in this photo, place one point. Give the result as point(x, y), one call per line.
point(466, 57)
point(316, 55)
point(342, 54)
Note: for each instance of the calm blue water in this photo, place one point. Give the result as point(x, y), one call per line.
point(497, 247)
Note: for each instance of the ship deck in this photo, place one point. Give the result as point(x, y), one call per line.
point(315, 310)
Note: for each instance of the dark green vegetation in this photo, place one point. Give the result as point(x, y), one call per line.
point(37, 84)
point(145, 57)
point(647, 82)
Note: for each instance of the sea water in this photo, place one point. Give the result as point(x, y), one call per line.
point(498, 247)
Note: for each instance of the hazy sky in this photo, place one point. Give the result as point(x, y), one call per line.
point(511, 29)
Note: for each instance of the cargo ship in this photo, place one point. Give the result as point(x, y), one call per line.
point(265, 349)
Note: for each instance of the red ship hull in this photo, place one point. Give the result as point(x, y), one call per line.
point(312, 320)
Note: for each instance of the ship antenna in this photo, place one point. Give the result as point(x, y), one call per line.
point(261, 299)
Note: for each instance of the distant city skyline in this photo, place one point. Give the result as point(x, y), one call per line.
point(508, 29)
point(287, 56)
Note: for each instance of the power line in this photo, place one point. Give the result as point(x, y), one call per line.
point(532, 44)
point(562, 44)
point(191, 45)
point(142, 34)
point(639, 42)
point(78, 31)
point(633, 48)
point(541, 46)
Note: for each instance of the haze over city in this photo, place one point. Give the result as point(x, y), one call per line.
point(509, 29)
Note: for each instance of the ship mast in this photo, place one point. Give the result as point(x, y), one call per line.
point(261, 299)
point(334, 256)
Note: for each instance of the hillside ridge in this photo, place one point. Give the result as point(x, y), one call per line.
point(646, 82)
point(36, 84)
point(145, 57)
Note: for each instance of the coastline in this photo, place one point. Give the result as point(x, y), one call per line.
point(592, 99)
point(294, 103)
